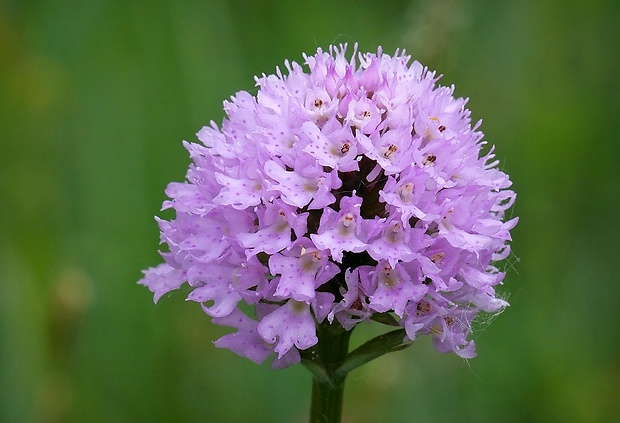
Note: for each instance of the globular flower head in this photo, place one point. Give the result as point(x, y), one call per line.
point(345, 188)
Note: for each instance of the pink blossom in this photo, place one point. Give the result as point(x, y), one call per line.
point(344, 188)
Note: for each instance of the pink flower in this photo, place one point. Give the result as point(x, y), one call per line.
point(346, 189)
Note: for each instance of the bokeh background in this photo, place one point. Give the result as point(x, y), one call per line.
point(95, 99)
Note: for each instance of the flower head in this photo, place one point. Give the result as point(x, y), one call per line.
point(349, 188)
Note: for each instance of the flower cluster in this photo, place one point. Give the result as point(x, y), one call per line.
point(351, 191)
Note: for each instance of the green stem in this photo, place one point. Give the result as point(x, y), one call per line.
point(327, 382)
point(330, 362)
point(327, 401)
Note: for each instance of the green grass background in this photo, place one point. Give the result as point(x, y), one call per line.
point(95, 99)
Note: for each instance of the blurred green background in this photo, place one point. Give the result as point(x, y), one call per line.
point(95, 99)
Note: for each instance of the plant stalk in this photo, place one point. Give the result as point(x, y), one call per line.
point(328, 390)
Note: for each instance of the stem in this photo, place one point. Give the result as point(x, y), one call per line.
point(326, 401)
point(328, 387)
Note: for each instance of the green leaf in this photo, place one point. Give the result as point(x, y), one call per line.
point(376, 347)
point(385, 318)
point(319, 373)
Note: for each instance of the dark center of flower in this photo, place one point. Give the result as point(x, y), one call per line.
point(430, 159)
point(390, 151)
point(345, 148)
point(423, 307)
